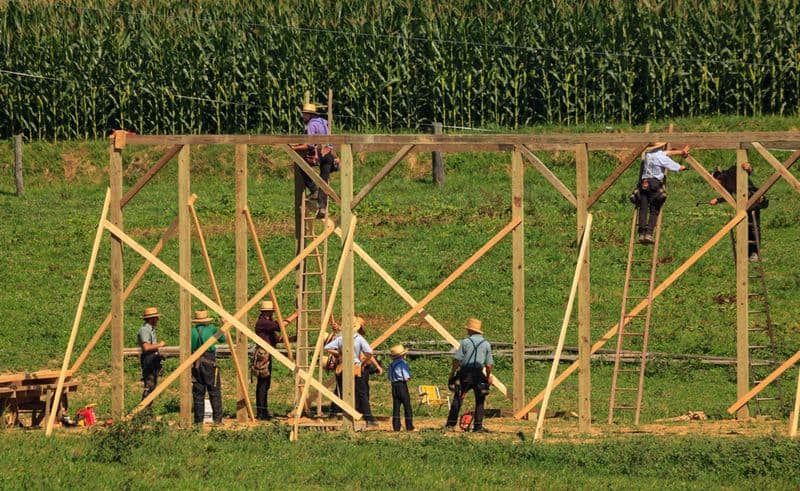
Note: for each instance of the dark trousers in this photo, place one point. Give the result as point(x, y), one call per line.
point(262, 390)
point(335, 409)
point(470, 377)
point(205, 378)
point(325, 165)
point(651, 199)
point(400, 396)
point(151, 365)
point(362, 396)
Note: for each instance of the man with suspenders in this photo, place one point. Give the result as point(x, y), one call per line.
point(470, 358)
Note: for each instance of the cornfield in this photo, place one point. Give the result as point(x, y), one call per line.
point(77, 69)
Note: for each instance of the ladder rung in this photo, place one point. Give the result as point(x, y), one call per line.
point(624, 407)
point(760, 364)
point(626, 333)
point(767, 399)
point(310, 310)
point(622, 370)
point(758, 346)
point(628, 389)
point(312, 273)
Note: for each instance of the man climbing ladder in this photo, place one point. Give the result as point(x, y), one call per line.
point(650, 188)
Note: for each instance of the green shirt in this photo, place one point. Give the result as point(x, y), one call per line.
point(201, 333)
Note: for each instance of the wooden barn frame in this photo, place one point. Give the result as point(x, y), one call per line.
point(522, 149)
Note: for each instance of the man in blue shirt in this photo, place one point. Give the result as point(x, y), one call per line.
point(205, 372)
point(322, 156)
point(469, 360)
point(362, 356)
point(150, 357)
point(651, 186)
point(399, 375)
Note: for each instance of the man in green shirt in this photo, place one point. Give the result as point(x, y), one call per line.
point(205, 372)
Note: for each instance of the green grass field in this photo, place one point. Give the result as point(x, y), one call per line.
point(419, 233)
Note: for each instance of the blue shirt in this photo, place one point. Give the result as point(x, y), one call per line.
point(360, 345)
point(655, 163)
point(399, 371)
point(474, 350)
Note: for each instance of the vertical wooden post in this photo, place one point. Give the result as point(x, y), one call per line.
point(348, 279)
point(742, 320)
point(185, 270)
point(437, 161)
point(117, 279)
point(584, 299)
point(241, 271)
point(18, 165)
point(518, 278)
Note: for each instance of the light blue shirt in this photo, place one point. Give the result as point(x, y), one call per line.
point(474, 350)
point(399, 371)
point(655, 163)
point(146, 335)
point(360, 345)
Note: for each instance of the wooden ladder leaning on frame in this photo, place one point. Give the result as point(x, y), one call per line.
point(311, 295)
point(634, 330)
point(762, 352)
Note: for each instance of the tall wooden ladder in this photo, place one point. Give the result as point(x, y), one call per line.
point(311, 296)
point(627, 384)
point(762, 351)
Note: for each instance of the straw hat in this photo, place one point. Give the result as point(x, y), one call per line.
point(150, 312)
point(309, 108)
point(474, 325)
point(267, 305)
point(397, 351)
point(656, 146)
point(358, 323)
point(201, 316)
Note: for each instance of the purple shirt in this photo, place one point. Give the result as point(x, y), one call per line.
point(317, 126)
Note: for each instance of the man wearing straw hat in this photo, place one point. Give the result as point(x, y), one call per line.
point(473, 354)
point(205, 372)
point(362, 356)
point(322, 156)
point(150, 358)
point(268, 330)
point(651, 186)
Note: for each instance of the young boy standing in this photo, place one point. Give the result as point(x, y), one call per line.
point(399, 375)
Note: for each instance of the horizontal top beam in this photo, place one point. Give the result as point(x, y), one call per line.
point(548, 141)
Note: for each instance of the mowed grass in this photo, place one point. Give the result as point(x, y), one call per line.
point(419, 233)
point(132, 457)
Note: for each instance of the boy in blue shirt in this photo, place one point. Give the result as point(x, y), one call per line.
point(399, 375)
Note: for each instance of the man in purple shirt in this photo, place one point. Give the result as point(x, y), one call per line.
point(316, 155)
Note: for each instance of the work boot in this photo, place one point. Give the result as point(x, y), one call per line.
point(648, 239)
point(322, 213)
point(313, 195)
point(641, 239)
point(753, 257)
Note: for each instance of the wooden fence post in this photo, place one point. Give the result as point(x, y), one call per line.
point(18, 165)
point(437, 161)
